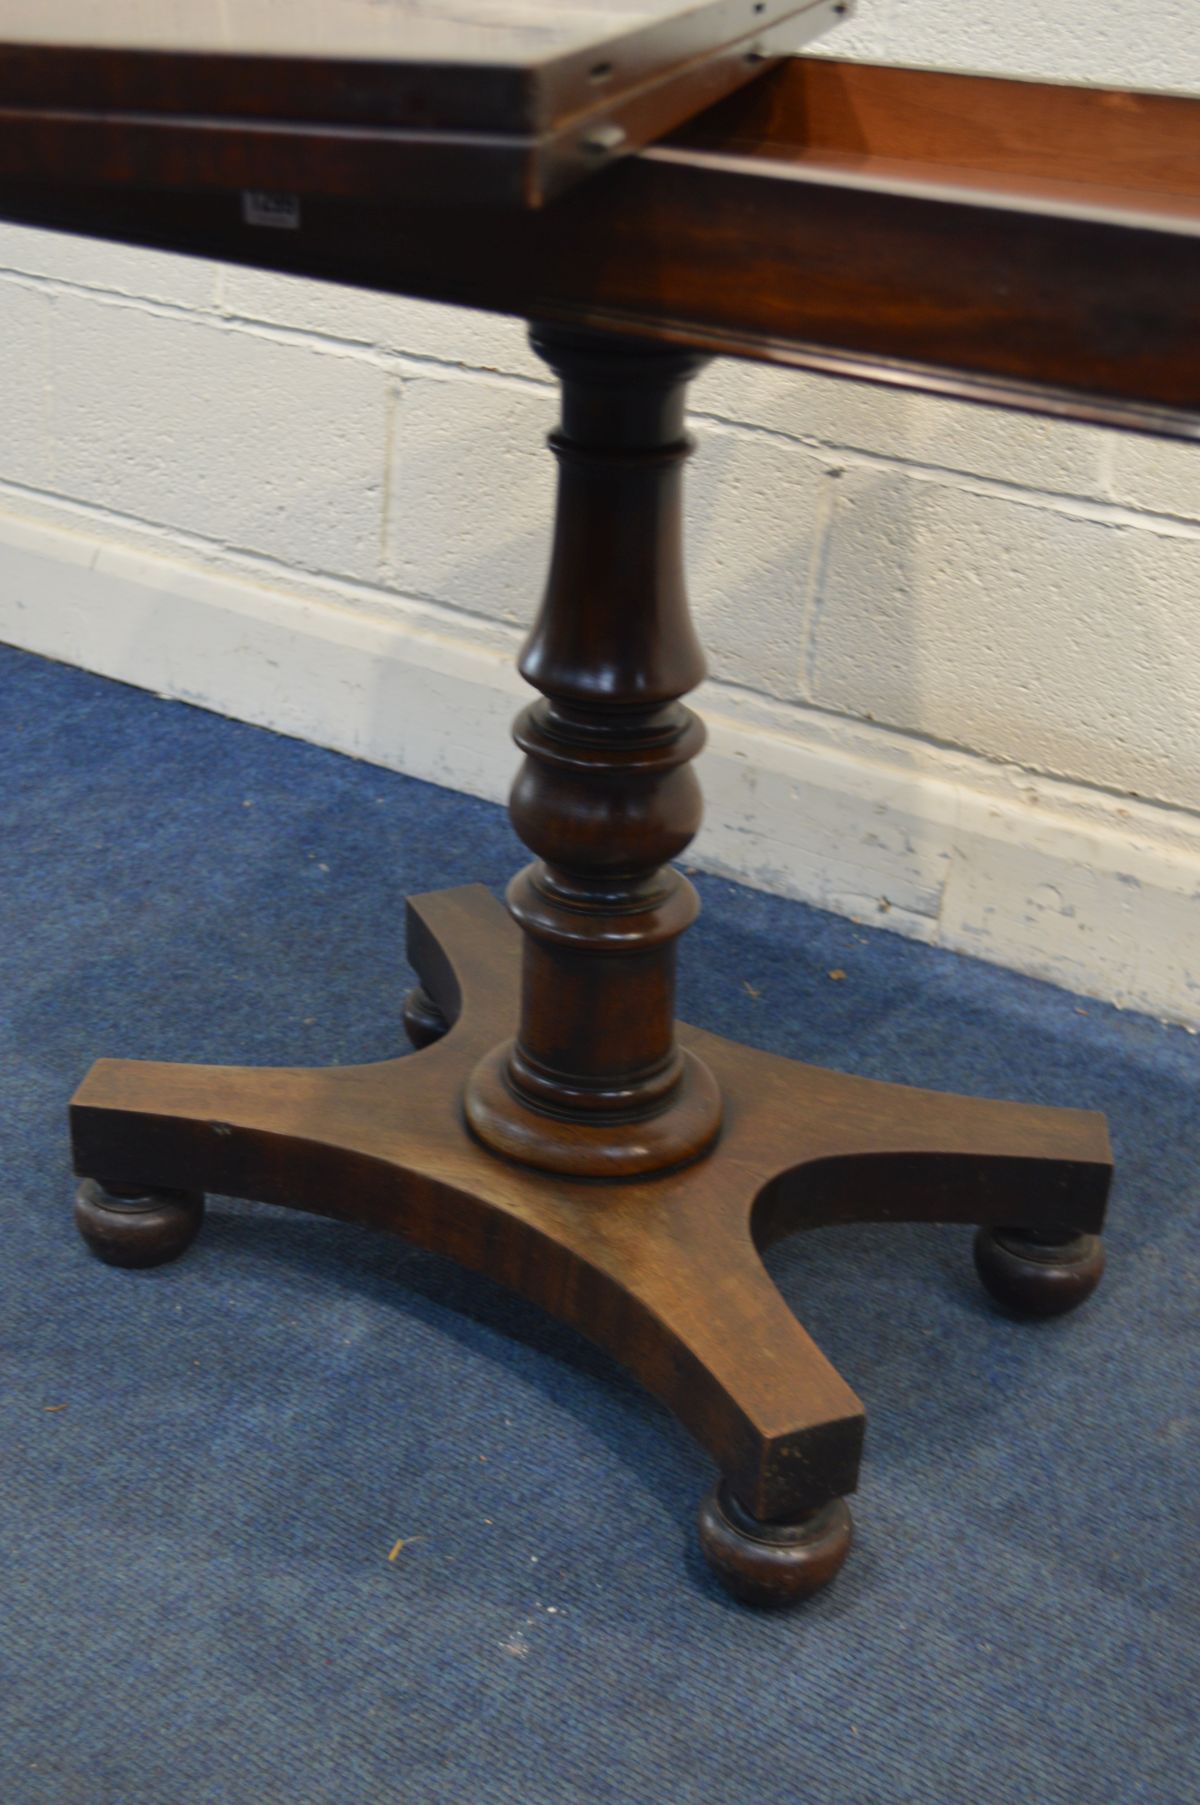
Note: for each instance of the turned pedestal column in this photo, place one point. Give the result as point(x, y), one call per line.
point(594, 1082)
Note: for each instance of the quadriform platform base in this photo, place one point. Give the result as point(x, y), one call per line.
point(556, 1130)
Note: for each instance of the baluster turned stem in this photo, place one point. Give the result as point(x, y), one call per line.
point(594, 1083)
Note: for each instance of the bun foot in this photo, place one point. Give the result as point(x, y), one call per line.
point(773, 1564)
point(137, 1229)
point(1034, 1276)
point(423, 1020)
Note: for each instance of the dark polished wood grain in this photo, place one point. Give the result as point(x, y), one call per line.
point(773, 1565)
point(942, 256)
point(594, 1083)
point(1039, 1274)
point(663, 1271)
point(1045, 138)
point(558, 1129)
point(137, 1228)
point(474, 99)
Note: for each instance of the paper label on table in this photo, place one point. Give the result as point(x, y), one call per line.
point(261, 208)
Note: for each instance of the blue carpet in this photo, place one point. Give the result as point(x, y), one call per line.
point(206, 1467)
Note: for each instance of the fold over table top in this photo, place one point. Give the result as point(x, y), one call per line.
point(501, 100)
point(1026, 243)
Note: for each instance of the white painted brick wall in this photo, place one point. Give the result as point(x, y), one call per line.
point(272, 446)
point(456, 439)
point(1032, 632)
point(941, 616)
point(1156, 476)
point(1125, 43)
point(27, 442)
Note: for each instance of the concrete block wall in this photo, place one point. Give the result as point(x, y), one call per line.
point(1155, 44)
point(956, 665)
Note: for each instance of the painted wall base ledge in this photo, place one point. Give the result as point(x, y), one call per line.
point(1096, 892)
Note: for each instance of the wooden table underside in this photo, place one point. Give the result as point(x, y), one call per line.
point(1009, 242)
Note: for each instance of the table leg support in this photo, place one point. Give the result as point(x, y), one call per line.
point(558, 1130)
point(594, 1083)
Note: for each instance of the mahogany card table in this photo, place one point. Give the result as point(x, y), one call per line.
point(648, 183)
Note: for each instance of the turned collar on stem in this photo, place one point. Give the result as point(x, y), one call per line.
point(618, 391)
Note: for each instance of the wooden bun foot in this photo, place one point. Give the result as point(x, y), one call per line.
point(1037, 1277)
point(423, 1020)
point(128, 1229)
point(773, 1564)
